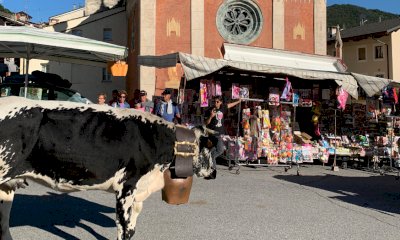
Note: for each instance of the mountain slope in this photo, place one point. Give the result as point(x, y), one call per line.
point(3, 9)
point(347, 15)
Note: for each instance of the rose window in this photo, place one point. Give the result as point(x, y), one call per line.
point(239, 21)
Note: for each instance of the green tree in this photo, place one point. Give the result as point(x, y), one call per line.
point(3, 9)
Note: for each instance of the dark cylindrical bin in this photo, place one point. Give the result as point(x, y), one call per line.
point(176, 190)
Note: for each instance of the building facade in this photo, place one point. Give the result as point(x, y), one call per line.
point(371, 49)
point(99, 20)
point(201, 27)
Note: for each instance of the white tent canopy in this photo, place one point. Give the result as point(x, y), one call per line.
point(34, 43)
point(196, 67)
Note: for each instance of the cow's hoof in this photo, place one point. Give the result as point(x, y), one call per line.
point(213, 175)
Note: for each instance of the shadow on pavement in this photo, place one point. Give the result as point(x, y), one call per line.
point(381, 193)
point(52, 210)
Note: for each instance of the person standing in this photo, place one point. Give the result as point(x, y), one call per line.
point(101, 98)
point(135, 99)
point(168, 109)
point(121, 103)
point(145, 103)
point(114, 97)
point(214, 120)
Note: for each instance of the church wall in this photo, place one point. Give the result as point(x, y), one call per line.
point(299, 26)
point(173, 34)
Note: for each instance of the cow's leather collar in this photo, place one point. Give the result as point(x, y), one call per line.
point(186, 149)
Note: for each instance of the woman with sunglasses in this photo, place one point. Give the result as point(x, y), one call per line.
point(121, 103)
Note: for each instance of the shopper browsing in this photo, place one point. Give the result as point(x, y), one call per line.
point(114, 97)
point(121, 103)
point(101, 99)
point(168, 109)
point(145, 103)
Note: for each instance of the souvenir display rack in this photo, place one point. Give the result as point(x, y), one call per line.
point(257, 144)
point(269, 146)
point(386, 149)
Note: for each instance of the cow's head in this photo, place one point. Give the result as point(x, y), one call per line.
point(204, 166)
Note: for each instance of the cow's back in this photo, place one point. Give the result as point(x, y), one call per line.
point(84, 144)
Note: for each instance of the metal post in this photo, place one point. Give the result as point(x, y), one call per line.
point(237, 134)
point(293, 125)
point(27, 59)
point(334, 167)
point(391, 140)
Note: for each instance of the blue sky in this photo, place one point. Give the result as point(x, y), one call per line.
point(392, 6)
point(41, 10)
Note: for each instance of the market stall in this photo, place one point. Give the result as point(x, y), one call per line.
point(264, 126)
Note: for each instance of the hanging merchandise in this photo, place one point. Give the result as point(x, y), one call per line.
point(266, 123)
point(307, 153)
point(305, 93)
point(276, 125)
point(297, 155)
point(305, 97)
point(326, 94)
point(287, 91)
point(305, 103)
point(372, 107)
point(296, 99)
point(203, 94)
point(218, 91)
point(244, 91)
point(395, 97)
point(246, 121)
point(316, 110)
point(235, 91)
point(189, 96)
point(273, 156)
point(181, 96)
point(210, 89)
point(265, 139)
point(342, 96)
point(273, 97)
point(315, 92)
point(285, 116)
point(254, 126)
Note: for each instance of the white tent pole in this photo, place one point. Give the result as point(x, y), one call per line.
point(28, 53)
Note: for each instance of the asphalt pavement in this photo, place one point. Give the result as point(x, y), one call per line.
point(259, 203)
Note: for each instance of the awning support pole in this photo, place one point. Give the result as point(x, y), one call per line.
point(27, 59)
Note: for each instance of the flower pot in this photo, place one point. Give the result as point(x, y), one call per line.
point(176, 190)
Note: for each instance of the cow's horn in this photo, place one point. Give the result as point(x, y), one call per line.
point(209, 131)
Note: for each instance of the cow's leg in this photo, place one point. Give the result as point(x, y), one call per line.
point(127, 212)
point(130, 201)
point(6, 199)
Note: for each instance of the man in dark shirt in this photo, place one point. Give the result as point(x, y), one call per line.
point(215, 118)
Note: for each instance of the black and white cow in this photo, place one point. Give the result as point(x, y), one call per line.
point(72, 147)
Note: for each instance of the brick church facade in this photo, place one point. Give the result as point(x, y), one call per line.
point(201, 27)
